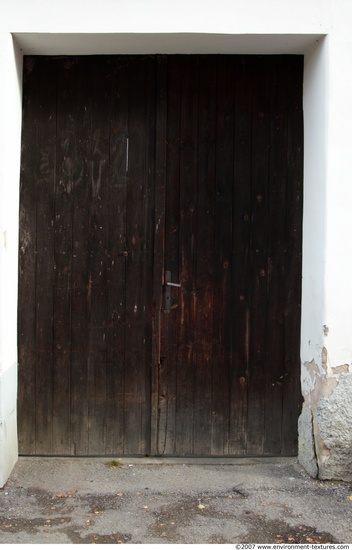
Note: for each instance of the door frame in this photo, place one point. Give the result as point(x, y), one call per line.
point(315, 171)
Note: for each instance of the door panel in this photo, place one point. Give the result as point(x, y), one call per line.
point(133, 166)
point(232, 234)
point(87, 207)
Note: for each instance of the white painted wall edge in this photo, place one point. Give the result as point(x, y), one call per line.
point(8, 422)
point(315, 105)
point(163, 43)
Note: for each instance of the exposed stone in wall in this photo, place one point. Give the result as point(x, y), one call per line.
point(334, 419)
point(306, 450)
point(325, 425)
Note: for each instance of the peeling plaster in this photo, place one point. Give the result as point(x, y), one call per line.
point(342, 369)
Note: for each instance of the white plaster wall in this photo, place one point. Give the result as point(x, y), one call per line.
point(10, 131)
point(168, 16)
point(330, 399)
point(8, 422)
point(232, 26)
point(328, 183)
point(339, 193)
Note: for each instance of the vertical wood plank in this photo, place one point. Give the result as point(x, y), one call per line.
point(45, 182)
point(100, 83)
point(160, 390)
point(133, 344)
point(138, 296)
point(68, 170)
point(259, 252)
point(148, 249)
point(27, 262)
point(292, 398)
point(187, 256)
point(80, 265)
point(117, 261)
point(241, 267)
point(203, 330)
point(277, 69)
point(222, 255)
point(171, 318)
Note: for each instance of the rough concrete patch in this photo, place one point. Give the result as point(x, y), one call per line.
point(306, 450)
point(334, 419)
point(96, 538)
point(280, 532)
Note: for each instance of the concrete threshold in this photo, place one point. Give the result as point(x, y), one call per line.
point(171, 460)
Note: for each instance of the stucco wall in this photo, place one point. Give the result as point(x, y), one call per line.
point(325, 427)
point(232, 26)
point(10, 131)
point(167, 16)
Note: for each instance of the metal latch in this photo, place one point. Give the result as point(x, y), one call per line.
point(167, 290)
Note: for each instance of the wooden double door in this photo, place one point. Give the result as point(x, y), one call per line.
point(138, 171)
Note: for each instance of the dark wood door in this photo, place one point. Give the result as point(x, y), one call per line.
point(86, 255)
point(228, 380)
point(131, 167)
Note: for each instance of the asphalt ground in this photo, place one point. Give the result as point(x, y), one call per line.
point(171, 501)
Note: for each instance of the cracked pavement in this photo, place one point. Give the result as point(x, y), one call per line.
point(140, 501)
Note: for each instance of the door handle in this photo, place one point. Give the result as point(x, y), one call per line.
point(167, 290)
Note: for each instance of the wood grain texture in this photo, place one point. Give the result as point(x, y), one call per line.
point(80, 280)
point(187, 256)
point(241, 256)
point(206, 192)
point(27, 347)
point(292, 398)
point(159, 375)
point(276, 257)
point(116, 283)
point(131, 166)
point(259, 255)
